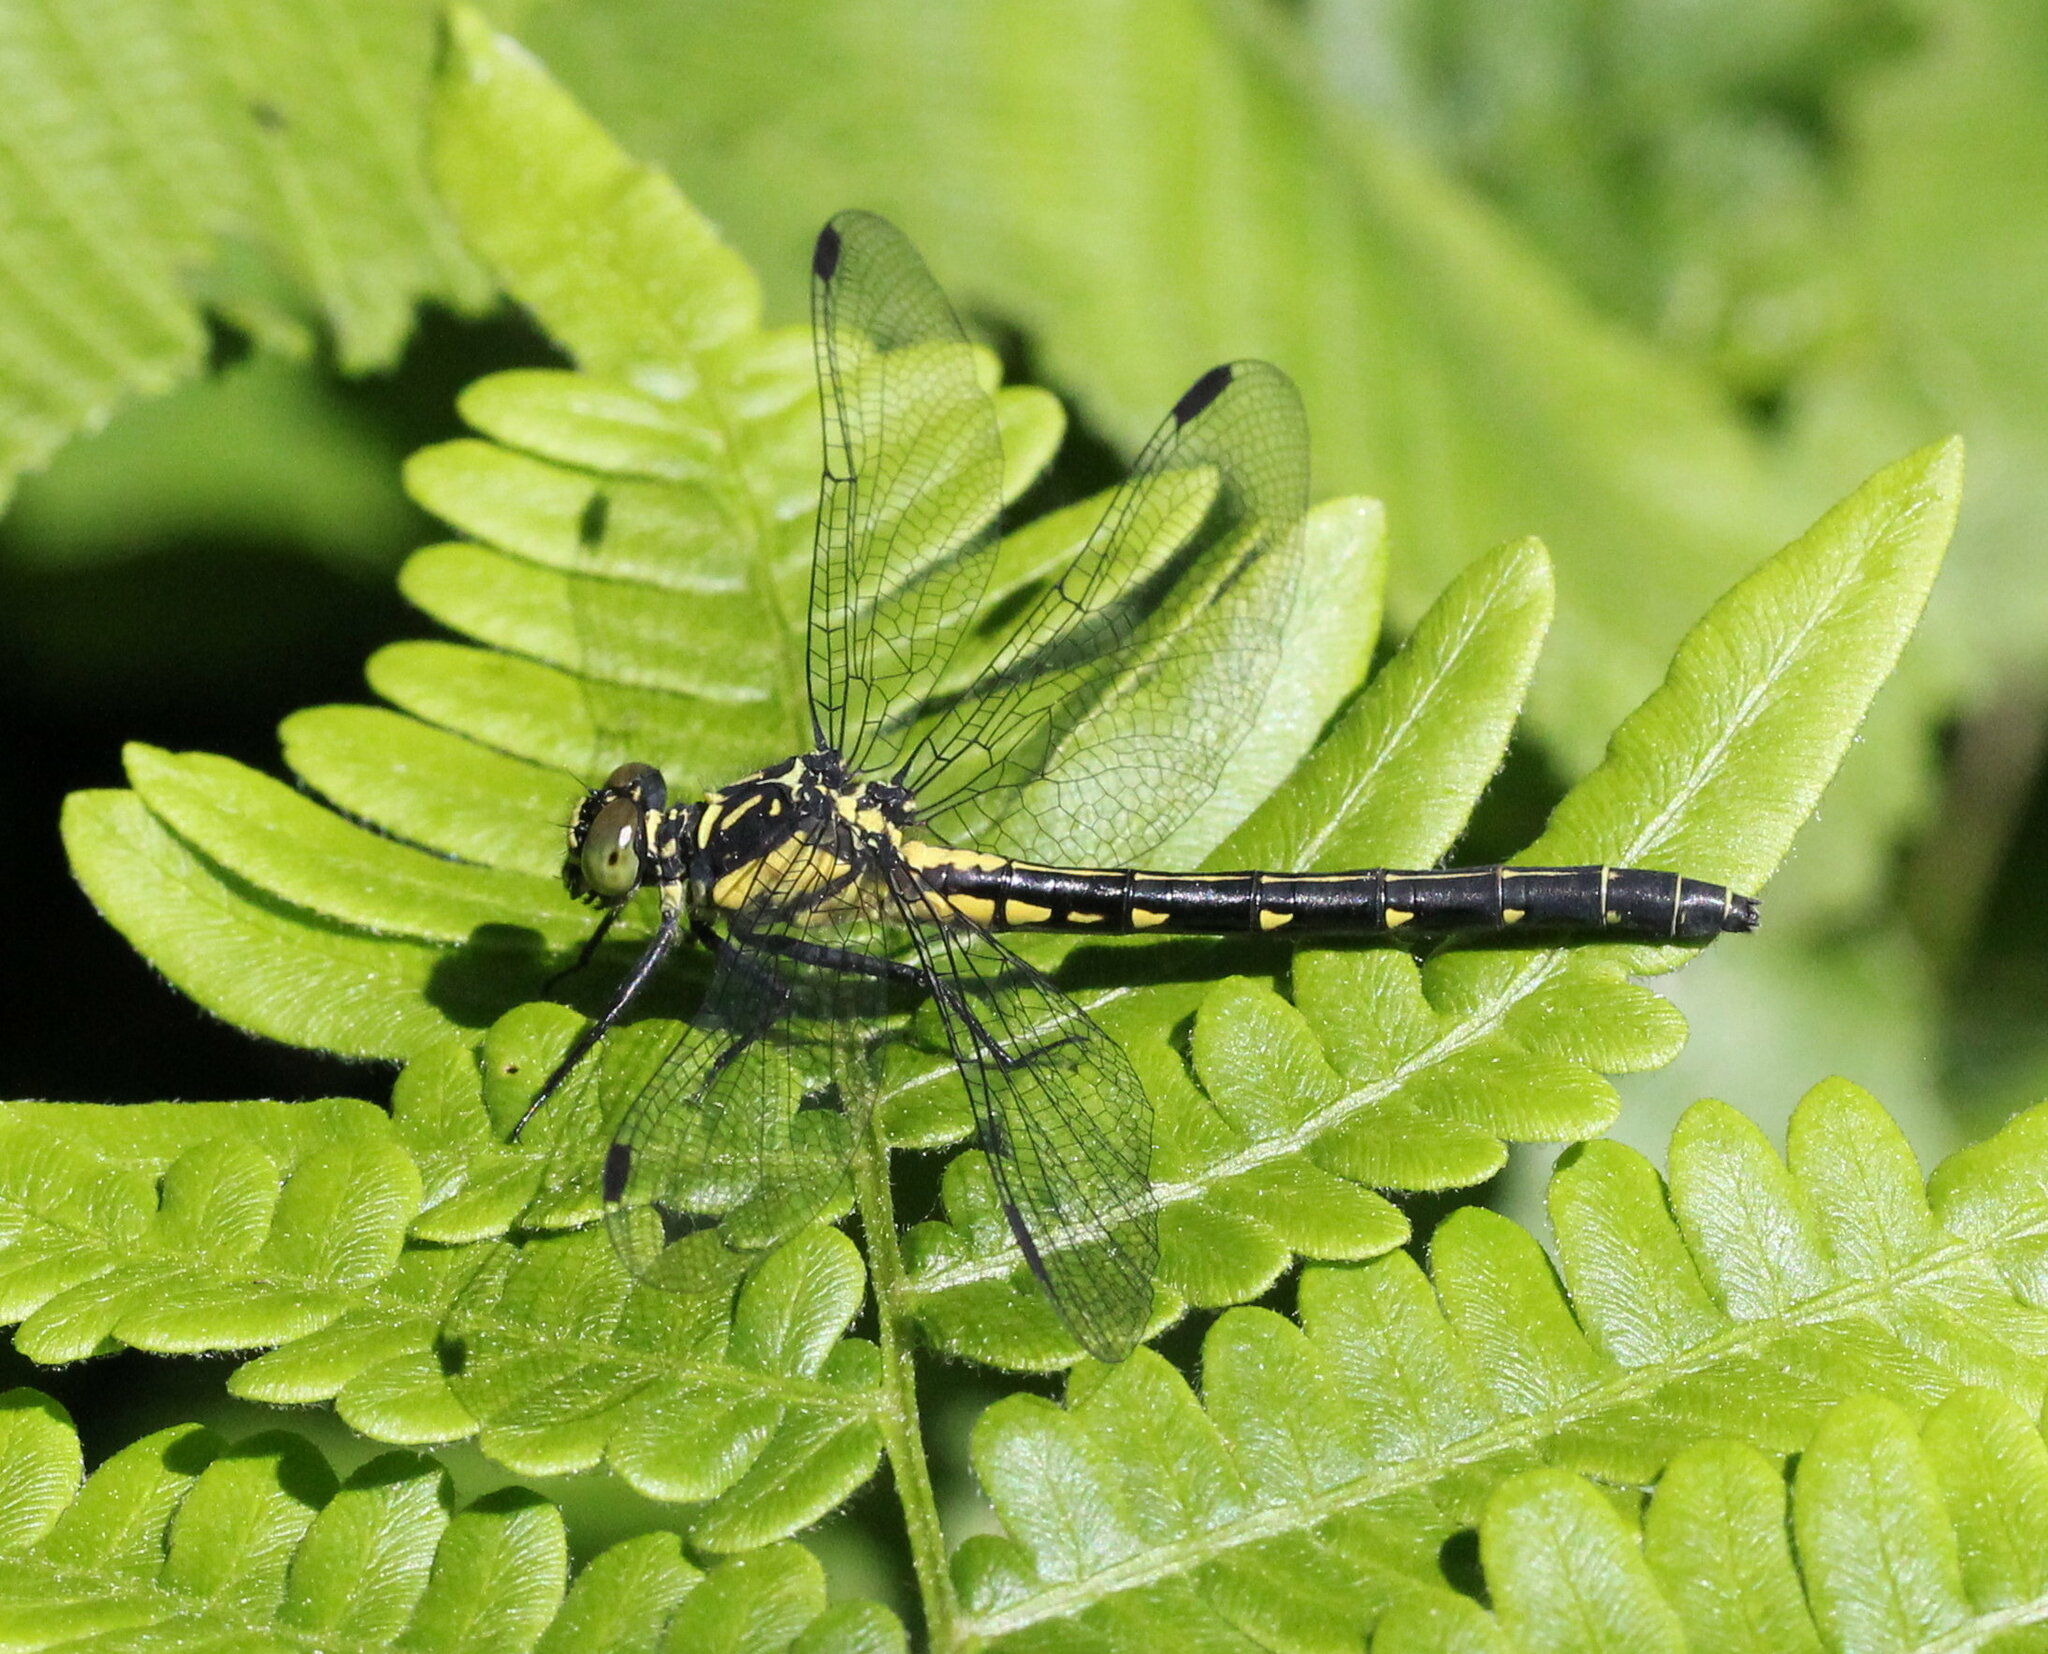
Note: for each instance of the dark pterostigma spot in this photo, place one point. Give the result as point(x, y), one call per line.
point(618, 1166)
point(590, 526)
point(1202, 392)
point(825, 256)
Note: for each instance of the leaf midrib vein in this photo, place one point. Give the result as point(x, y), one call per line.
point(1168, 1562)
point(1467, 1031)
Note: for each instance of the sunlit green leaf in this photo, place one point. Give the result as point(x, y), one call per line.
point(1310, 1487)
point(266, 169)
point(1391, 1072)
point(1892, 1534)
point(182, 1540)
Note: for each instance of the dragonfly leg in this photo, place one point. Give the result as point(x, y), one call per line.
point(584, 954)
point(650, 960)
point(800, 952)
point(897, 970)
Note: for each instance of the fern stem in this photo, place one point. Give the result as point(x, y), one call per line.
point(902, 1431)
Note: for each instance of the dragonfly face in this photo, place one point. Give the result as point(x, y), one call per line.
point(618, 839)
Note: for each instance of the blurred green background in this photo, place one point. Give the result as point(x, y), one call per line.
point(1655, 279)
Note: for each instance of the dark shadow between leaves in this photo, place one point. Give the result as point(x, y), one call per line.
point(1458, 1558)
point(302, 1473)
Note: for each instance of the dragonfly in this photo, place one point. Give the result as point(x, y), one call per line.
point(958, 790)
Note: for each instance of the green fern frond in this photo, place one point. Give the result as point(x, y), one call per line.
point(194, 1226)
point(1389, 1072)
point(1744, 1299)
point(1892, 1534)
point(1311, 1486)
point(692, 432)
point(191, 1227)
point(183, 1540)
point(382, 1276)
point(261, 163)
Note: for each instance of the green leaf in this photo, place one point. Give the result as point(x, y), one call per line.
point(1446, 366)
point(652, 284)
point(758, 1409)
point(1893, 1534)
point(1568, 1572)
point(1344, 566)
point(260, 832)
point(238, 1226)
point(1238, 1192)
point(468, 800)
point(1392, 783)
point(264, 168)
point(261, 453)
point(341, 939)
point(183, 1540)
point(641, 528)
point(253, 960)
point(1773, 683)
point(194, 1226)
point(1311, 1486)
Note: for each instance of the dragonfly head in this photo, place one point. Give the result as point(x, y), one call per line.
point(609, 841)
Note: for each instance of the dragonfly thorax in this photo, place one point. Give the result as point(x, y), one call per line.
point(794, 827)
point(798, 830)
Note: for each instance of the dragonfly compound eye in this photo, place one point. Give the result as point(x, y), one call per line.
point(611, 851)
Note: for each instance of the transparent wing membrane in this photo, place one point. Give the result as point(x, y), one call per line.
point(1064, 1123)
point(911, 491)
point(1141, 655)
point(1105, 718)
point(735, 1139)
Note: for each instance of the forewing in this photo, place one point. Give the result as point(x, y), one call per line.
point(1064, 1123)
point(911, 491)
point(1107, 717)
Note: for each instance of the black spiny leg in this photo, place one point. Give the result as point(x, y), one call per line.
point(800, 952)
point(584, 954)
point(648, 963)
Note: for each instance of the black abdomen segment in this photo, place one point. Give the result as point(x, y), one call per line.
point(1628, 900)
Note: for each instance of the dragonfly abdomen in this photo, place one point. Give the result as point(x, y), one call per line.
point(1007, 895)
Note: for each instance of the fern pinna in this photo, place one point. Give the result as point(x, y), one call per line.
point(439, 1282)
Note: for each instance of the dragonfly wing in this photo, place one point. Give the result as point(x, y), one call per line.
point(1065, 1125)
point(717, 1158)
point(912, 487)
point(1106, 719)
point(730, 1144)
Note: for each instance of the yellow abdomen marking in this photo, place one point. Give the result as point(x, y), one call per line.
point(923, 857)
point(979, 909)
